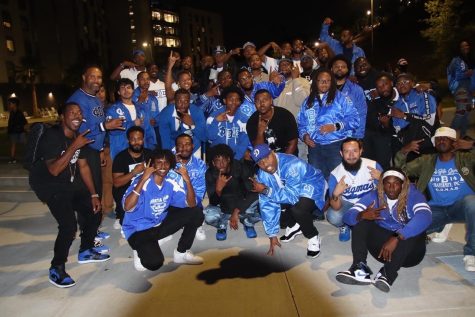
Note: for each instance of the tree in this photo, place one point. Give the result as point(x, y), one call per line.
point(27, 74)
point(448, 22)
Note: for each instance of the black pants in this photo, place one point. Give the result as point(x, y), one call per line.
point(369, 236)
point(145, 242)
point(119, 211)
point(377, 146)
point(301, 213)
point(63, 206)
point(93, 158)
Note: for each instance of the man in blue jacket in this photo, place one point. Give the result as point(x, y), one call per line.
point(286, 181)
point(389, 222)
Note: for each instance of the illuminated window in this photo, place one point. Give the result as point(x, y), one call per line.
point(134, 41)
point(132, 27)
point(10, 44)
point(156, 15)
point(170, 18)
point(157, 28)
point(131, 12)
point(172, 42)
point(158, 41)
point(169, 30)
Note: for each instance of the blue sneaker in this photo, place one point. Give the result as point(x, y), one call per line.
point(250, 232)
point(91, 256)
point(221, 234)
point(59, 278)
point(101, 235)
point(345, 234)
point(100, 248)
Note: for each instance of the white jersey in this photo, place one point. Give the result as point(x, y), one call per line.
point(159, 88)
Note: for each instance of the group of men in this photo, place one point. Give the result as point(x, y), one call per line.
point(256, 134)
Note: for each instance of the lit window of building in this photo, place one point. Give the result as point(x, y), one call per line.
point(157, 28)
point(156, 15)
point(158, 41)
point(170, 18)
point(131, 12)
point(10, 44)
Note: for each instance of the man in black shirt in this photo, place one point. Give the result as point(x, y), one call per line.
point(128, 164)
point(229, 192)
point(65, 188)
point(272, 125)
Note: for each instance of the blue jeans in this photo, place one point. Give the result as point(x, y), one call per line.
point(461, 211)
point(335, 217)
point(325, 157)
point(218, 219)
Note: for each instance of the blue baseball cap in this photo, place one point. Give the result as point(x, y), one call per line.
point(137, 52)
point(260, 151)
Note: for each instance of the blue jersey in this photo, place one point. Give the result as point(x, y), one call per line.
point(293, 179)
point(118, 138)
point(415, 104)
point(196, 170)
point(457, 75)
point(419, 215)
point(152, 206)
point(93, 117)
point(231, 132)
point(341, 111)
point(150, 105)
point(357, 97)
point(271, 87)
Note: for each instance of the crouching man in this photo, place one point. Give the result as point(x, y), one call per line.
point(158, 204)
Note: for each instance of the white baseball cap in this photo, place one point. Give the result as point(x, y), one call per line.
point(444, 131)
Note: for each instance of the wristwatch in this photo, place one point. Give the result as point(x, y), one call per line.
point(397, 235)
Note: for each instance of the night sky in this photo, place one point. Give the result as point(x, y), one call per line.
point(264, 21)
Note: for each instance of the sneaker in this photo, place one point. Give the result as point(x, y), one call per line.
point(101, 235)
point(200, 234)
point(116, 224)
point(358, 274)
point(59, 278)
point(291, 233)
point(250, 232)
point(313, 248)
point(137, 263)
point(186, 258)
point(469, 261)
point(345, 234)
point(122, 233)
point(440, 237)
point(221, 234)
point(164, 240)
point(381, 282)
point(100, 248)
point(91, 256)
point(14, 162)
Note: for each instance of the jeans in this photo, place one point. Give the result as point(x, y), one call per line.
point(325, 157)
point(462, 102)
point(335, 217)
point(461, 211)
point(218, 219)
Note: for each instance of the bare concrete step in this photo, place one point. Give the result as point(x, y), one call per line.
point(13, 181)
point(17, 194)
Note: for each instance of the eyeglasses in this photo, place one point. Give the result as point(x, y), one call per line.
point(403, 82)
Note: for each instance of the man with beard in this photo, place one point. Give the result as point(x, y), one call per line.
point(274, 86)
point(366, 77)
point(127, 165)
point(447, 178)
point(229, 192)
point(379, 132)
point(339, 66)
point(272, 125)
point(348, 182)
point(196, 169)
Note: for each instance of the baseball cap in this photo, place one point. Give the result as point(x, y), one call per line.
point(285, 59)
point(137, 52)
point(444, 131)
point(248, 44)
point(402, 62)
point(304, 57)
point(260, 151)
point(219, 49)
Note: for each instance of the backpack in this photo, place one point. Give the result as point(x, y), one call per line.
point(32, 144)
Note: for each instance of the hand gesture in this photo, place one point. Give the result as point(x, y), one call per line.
point(462, 144)
point(81, 140)
point(183, 172)
point(295, 72)
point(148, 170)
point(256, 186)
point(129, 64)
point(375, 173)
point(222, 116)
point(308, 140)
point(396, 113)
point(185, 118)
point(172, 60)
point(384, 120)
point(412, 146)
point(262, 125)
point(139, 168)
point(327, 128)
point(275, 77)
point(340, 187)
point(114, 124)
point(273, 242)
point(222, 181)
point(371, 213)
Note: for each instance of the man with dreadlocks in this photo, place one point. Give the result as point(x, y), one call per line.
point(390, 223)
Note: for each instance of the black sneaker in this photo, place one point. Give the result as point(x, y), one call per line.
point(381, 281)
point(291, 233)
point(359, 274)
point(59, 278)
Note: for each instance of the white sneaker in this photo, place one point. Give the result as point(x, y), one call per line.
point(186, 258)
point(166, 239)
point(291, 233)
point(122, 233)
point(439, 237)
point(116, 224)
point(200, 234)
point(313, 248)
point(469, 261)
point(137, 264)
